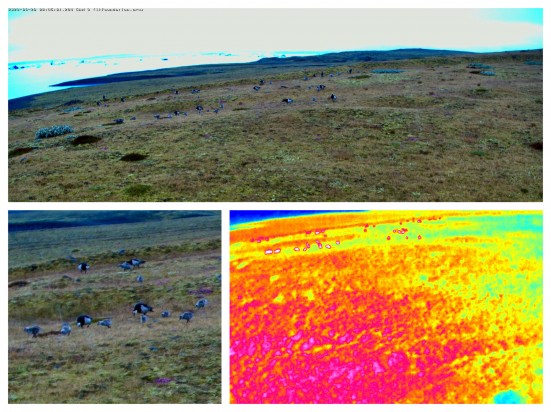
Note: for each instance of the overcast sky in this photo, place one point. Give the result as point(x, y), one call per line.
point(63, 35)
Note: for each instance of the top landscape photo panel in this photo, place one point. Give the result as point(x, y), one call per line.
point(284, 105)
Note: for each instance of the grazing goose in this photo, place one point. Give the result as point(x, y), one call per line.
point(32, 330)
point(105, 322)
point(141, 308)
point(186, 316)
point(84, 320)
point(65, 329)
point(125, 266)
point(83, 267)
point(136, 262)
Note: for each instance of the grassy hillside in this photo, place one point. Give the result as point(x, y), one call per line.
point(437, 131)
point(163, 360)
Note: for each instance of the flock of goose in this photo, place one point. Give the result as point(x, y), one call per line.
point(139, 308)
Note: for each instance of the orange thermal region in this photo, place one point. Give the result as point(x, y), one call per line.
point(387, 307)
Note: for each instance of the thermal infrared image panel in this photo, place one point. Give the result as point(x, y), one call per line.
point(386, 307)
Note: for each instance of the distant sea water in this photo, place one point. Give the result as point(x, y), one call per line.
point(26, 78)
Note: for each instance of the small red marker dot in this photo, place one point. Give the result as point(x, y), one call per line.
point(419, 237)
point(388, 238)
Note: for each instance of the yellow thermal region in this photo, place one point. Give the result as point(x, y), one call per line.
point(388, 307)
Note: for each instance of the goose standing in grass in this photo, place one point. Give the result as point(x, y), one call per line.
point(33, 330)
point(105, 322)
point(136, 262)
point(143, 318)
point(125, 266)
point(333, 97)
point(287, 100)
point(187, 316)
point(201, 303)
point(83, 267)
point(142, 308)
point(65, 329)
point(139, 279)
point(84, 320)
point(165, 314)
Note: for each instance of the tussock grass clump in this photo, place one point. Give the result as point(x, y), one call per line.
point(53, 131)
point(85, 139)
point(133, 157)
point(18, 151)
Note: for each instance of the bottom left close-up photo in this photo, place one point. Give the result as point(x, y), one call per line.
point(114, 307)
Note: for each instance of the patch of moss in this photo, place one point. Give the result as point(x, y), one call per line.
point(137, 190)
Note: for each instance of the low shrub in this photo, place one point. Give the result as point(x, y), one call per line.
point(53, 131)
point(478, 66)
